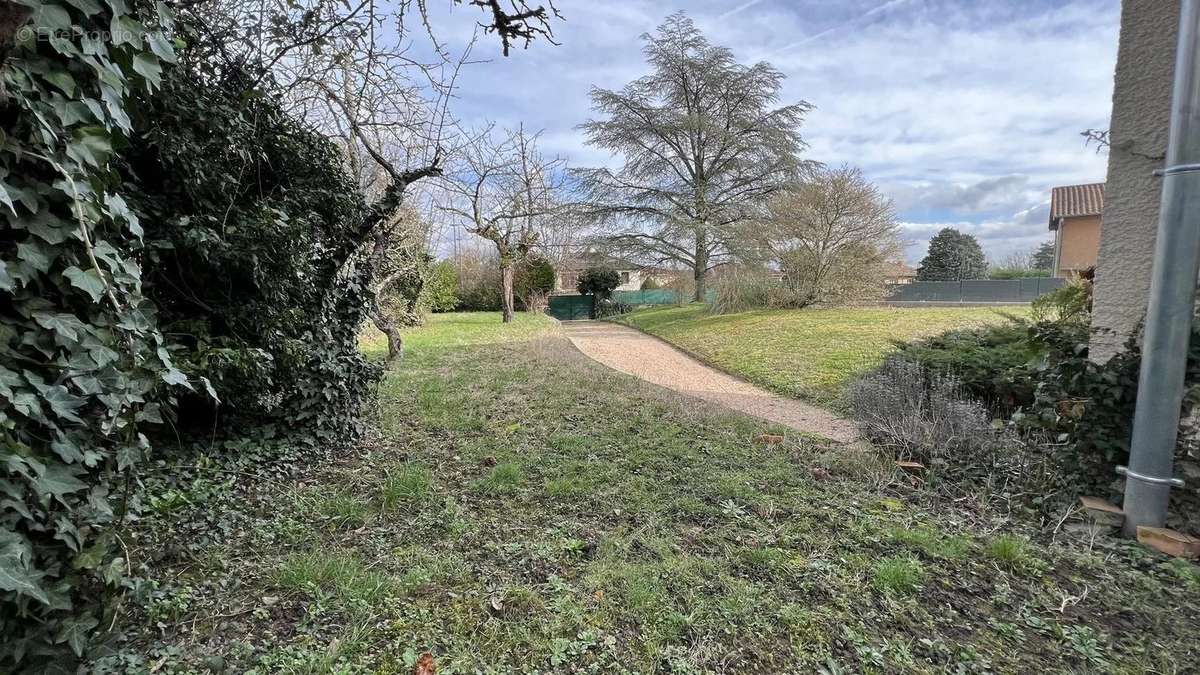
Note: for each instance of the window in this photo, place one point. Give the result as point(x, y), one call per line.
point(624, 278)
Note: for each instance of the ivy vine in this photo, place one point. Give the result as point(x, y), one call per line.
point(84, 369)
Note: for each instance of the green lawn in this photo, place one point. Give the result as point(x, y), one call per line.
point(519, 508)
point(809, 353)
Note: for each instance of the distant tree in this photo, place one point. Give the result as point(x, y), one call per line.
point(442, 287)
point(1017, 265)
point(502, 190)
point(1043, 257)
point(598, 281)
point(953, 256)
point(478, 280)
point(703, 145)
point(832, 234)
point(649, 284)
point(1016, 273)
point(534, 281)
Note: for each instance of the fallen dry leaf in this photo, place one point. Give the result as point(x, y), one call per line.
point(425, 665)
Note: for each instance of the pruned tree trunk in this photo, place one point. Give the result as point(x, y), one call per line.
point(388, 327)
point(507, 308)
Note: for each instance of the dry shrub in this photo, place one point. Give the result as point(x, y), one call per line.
point(929, 418)
point(743, 290)
point(924, 415)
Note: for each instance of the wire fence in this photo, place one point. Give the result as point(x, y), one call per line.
point(968, 291)
point(975, 290)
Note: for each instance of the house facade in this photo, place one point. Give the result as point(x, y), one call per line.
point(899, 272)
point(1137, 147)
point(566, 275)
point(1075, 217)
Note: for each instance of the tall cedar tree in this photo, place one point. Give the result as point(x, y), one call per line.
point(953, 256)
point(703, 146)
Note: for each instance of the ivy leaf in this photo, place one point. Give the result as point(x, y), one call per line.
point(148, 67)
point(28, 404)
point(86, 6)
point(152, 413)
point(87, 281)
point(8, 380)
point(60, 78)
point(75, 632)
point(57, 480)
point(209, 388)
point(16, 574)
point(174, 376)
point(67, 450)
point(48, 227)
point(5, 198)
point(32, 253)
point(53, 17)
point(91, 145)
point(128, 455)
point(117, 208)
point(161, 45)
point(91, 557)
point(126, 29)
point(6, 280)
point(66, 325)
point(62, 402)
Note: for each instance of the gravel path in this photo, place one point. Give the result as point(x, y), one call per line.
point(649, 358)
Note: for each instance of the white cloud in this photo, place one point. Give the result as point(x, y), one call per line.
point(966, 113)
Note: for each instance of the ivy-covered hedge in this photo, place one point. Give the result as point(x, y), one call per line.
point(253, 230)
point(1037, 376)
point(178, 260)
point(83, 366)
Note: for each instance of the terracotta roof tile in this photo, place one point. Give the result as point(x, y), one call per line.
point(1069, 201)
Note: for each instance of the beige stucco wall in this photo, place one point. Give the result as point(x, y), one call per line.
point(1138, 141)
point(565, 281)
point(1078, 242)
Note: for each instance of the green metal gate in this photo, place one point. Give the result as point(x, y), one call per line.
point(570, 307)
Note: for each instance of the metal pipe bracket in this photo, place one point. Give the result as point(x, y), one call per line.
point(1177, 169)
point(1151, 480)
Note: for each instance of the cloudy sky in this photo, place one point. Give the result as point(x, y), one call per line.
point(965, 112)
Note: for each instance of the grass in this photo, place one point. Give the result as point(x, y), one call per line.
point(810, 353)
point(898, 575)
point(1012, 553)
point(405, 486)
point(528, 510)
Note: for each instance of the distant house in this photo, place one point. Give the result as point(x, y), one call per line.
point(899, 272)
point(566, 275)
point(1075, 221)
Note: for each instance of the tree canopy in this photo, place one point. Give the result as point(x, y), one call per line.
point(1043, 257)
point(703, 144)
point(953, 256)
point(598, 281)
point(831, 234)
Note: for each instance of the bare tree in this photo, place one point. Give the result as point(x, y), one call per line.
point(564, 236)
point(348, 70)
point(831, 234)
point(504, 190)
point(1017, 260)
point(703, 145)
